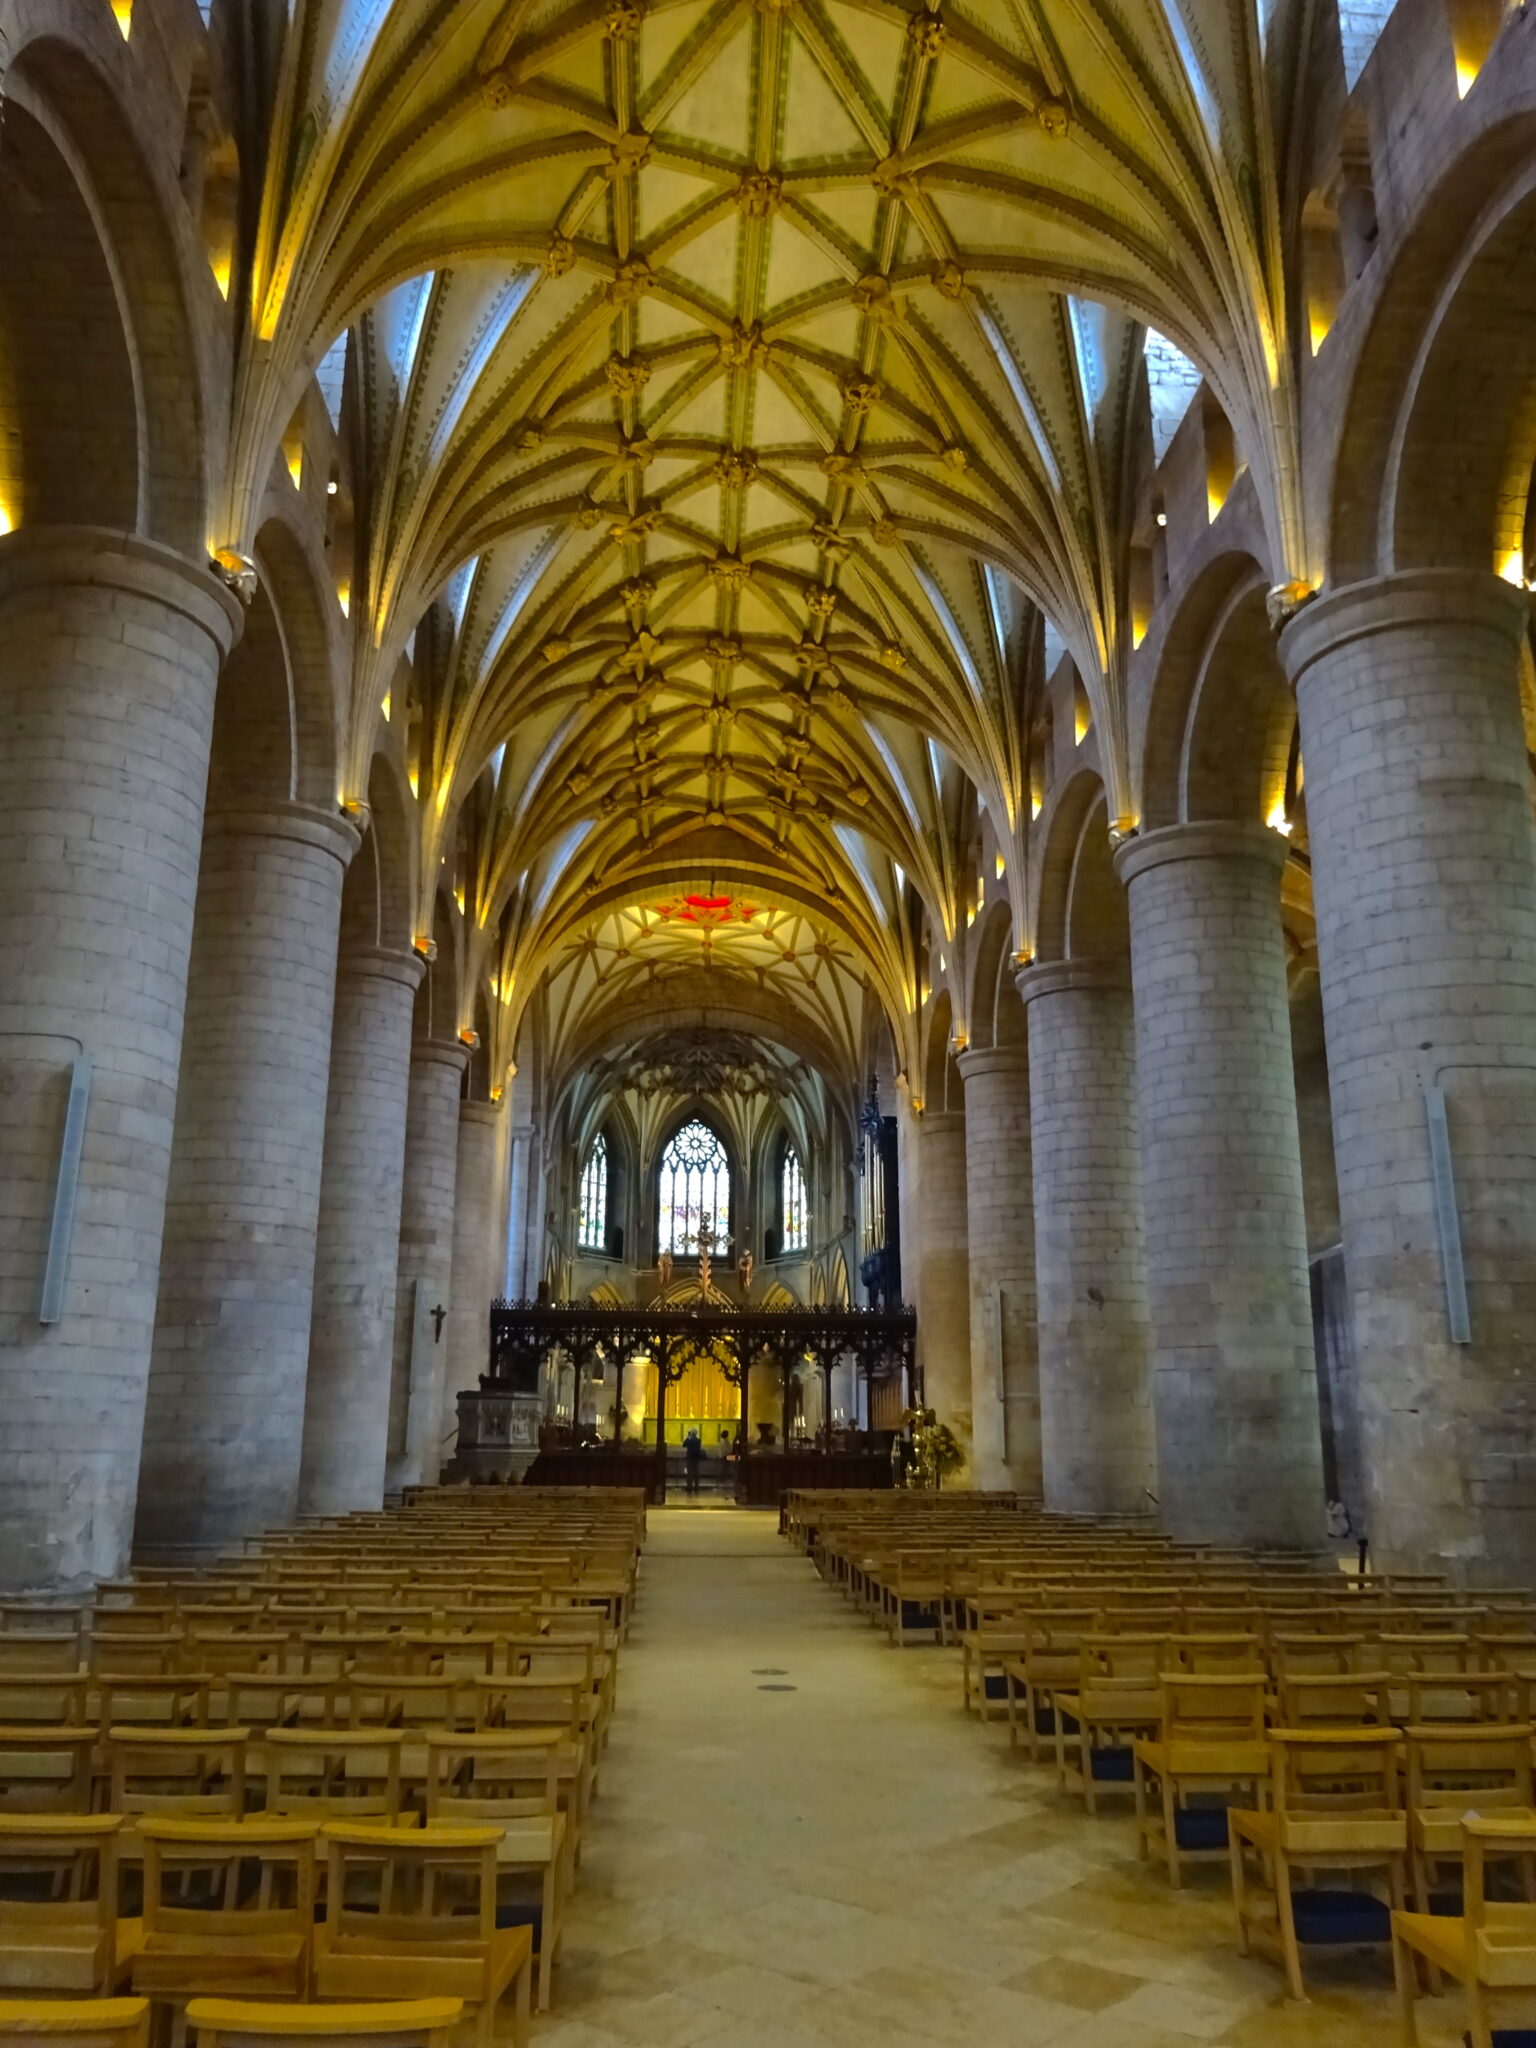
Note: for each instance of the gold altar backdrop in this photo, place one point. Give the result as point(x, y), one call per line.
point(703, 1394)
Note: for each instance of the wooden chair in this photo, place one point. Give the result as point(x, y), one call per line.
point(229, 1907)
point(1334, 1804)
point(1465, 1696)
point(997, 1628)
point(1050, 1660)
point(58, 1904)
point(1454, 1770)
point(502, 1778)
point(1117, 1697)
point(404, 2023)
point(1211, 1743)
point(56, 1699)
point(323, 1774)
point(88, 2022)
point(31, 1650)
point(1490, 1950)
point(428, 1926)
point(46, 1770)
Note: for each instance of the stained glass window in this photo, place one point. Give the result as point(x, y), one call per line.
point(792, 1197)
point(594, 1198)
point(695, 1191)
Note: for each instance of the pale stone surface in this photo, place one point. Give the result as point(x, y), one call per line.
point(1239, 1452)
point(1005, 1365)
point(224, 1419)
point(936, 1236)
point(425, 1273)
point(482, 1135)
point(109, 652)
point(1090, 1267)
point(856, 1862)
point(357, 1245)
point(1424, 867)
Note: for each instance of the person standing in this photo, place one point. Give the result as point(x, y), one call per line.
point(693, 1453)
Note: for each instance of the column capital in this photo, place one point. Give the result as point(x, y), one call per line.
point(1057, 977)
point(305, 824)
point(981, 1060)
point(1388, 604)
point(55, 557)
point(441, 1052)
point(479, 1112)
point(941, 1123)
point(382, 963)
point(1204, 839)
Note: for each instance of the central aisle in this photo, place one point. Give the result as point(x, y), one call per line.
point(853, 1861)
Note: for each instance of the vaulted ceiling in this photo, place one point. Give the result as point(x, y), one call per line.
point(739, 377)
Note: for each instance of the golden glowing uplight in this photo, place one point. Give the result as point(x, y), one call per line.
point(295, 454)
point(1001, 867)
point(220, 266)
point(385, 703)
point(1277, 821)
point(344, 598)
point(1512, 567)
point(7, 518)
point(122, 14)
point(413, 777)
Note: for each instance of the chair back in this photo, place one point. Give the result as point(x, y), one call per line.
point(1335, 1789)
point(490, 1777)
point(46, 1769)
point(58, 1901)
point(325, 1774)
point(514, 1702)
point(154, 1699)
point(56, 1699)
point(236, 1895)
point(1213, 1653)
point(399, 2023)
point(417, 1888)
point(190, 1773)
point(1213, 1709)
point(1462, 1696)
point(1481, 1767)
point(33, 1650)
point(88, 2022)
point(1360, 1699)
point(1314, 1656)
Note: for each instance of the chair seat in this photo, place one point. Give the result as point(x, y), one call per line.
point(469, 1969)
point(194, 1965)
point(1239, 1762)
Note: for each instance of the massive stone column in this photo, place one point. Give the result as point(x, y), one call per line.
point(1424, 873)
point(1005, 1366)
point(357, 1242)
point(224, 1421)
point(938, 1235)
point(109, 654)
point(425, 1274)
point(1239, 1450)
point(482, 1137)
point(1096, 1438)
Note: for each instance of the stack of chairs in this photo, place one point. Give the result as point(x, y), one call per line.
point(350, 1764)
point(1326, 1736)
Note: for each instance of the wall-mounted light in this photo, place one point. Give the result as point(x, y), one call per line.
point(1277, 821)
point(426, 947)
point(471, 1038)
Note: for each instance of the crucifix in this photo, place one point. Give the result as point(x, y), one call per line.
point(704, 1241)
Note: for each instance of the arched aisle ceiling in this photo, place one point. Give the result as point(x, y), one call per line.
point(735, 372)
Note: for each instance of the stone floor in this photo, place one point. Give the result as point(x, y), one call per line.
point(802, 1842)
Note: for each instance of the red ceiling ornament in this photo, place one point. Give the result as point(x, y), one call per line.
point(706, 910)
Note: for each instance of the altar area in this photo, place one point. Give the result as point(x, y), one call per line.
point(760, 1378)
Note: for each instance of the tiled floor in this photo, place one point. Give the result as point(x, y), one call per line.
point(854, 1861)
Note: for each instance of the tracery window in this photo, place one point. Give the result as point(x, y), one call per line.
point(792, 1202)
point(694, 1191)
point(593, 1235)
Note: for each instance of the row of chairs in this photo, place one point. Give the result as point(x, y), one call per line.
point(1362, 1760)
point(428, 1784)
